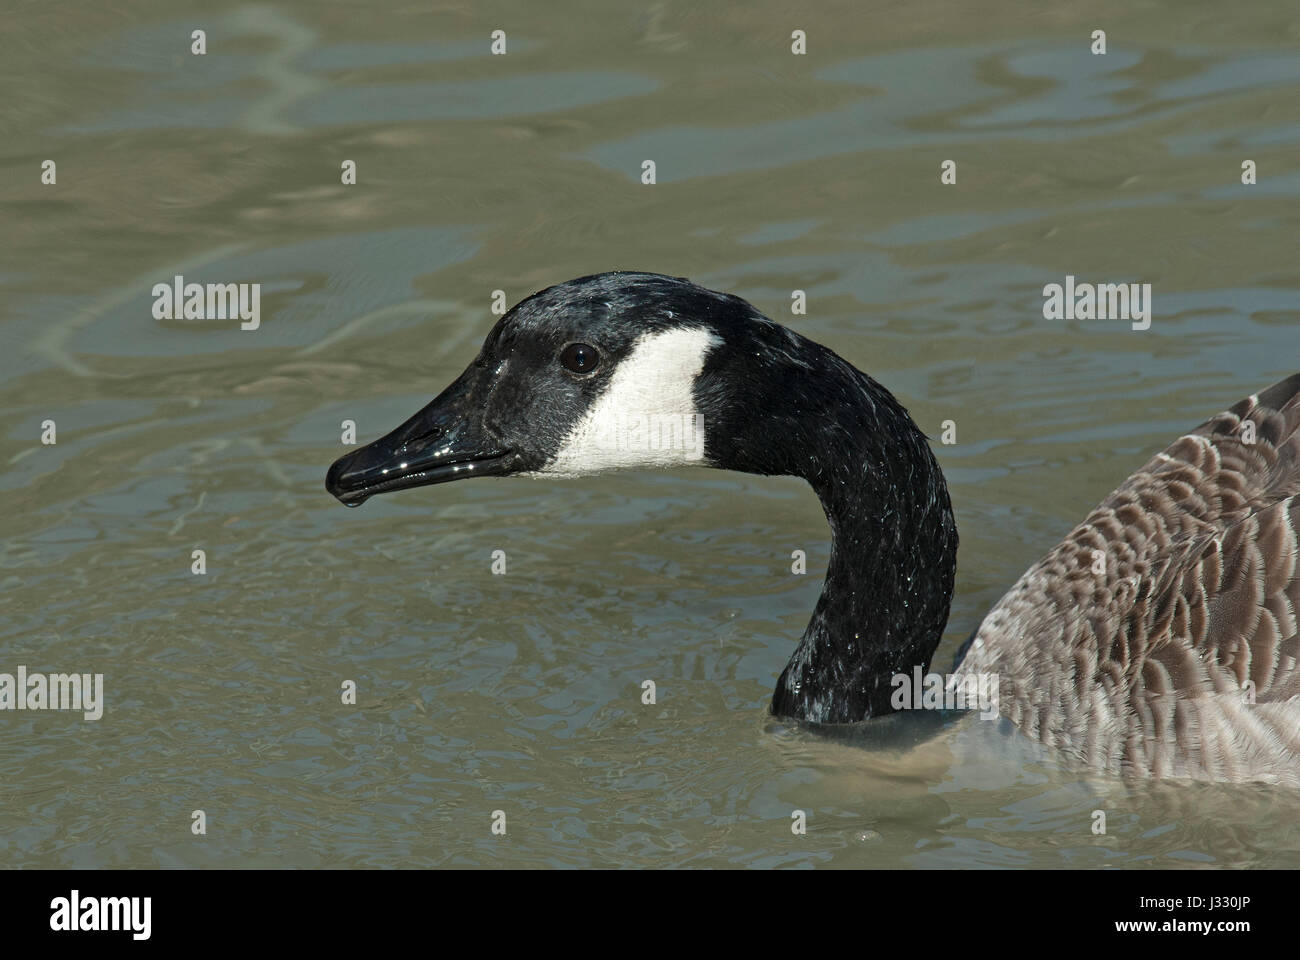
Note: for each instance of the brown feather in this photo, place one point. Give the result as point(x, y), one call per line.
point(1180, 660)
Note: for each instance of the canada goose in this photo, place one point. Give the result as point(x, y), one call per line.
point(1159, 638)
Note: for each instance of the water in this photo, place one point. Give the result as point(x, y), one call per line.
point(522, 692)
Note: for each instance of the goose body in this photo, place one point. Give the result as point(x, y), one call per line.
point(1158, 639)
point(1180, 660)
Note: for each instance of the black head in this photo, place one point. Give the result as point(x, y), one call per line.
point(599, 373)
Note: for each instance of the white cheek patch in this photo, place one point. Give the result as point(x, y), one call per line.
point(646, 416)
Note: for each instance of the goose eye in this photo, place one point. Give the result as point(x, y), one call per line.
point(579, 358)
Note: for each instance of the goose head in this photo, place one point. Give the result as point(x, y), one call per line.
point(628, 370)
point(613, 372)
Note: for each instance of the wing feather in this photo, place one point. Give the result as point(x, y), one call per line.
point(1182, 658)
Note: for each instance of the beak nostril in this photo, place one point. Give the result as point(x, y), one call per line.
point(444, 441)
point(425, 438)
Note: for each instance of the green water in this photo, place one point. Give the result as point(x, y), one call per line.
point(475, 173)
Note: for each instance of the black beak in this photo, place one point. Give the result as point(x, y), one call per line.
point(444, 441)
